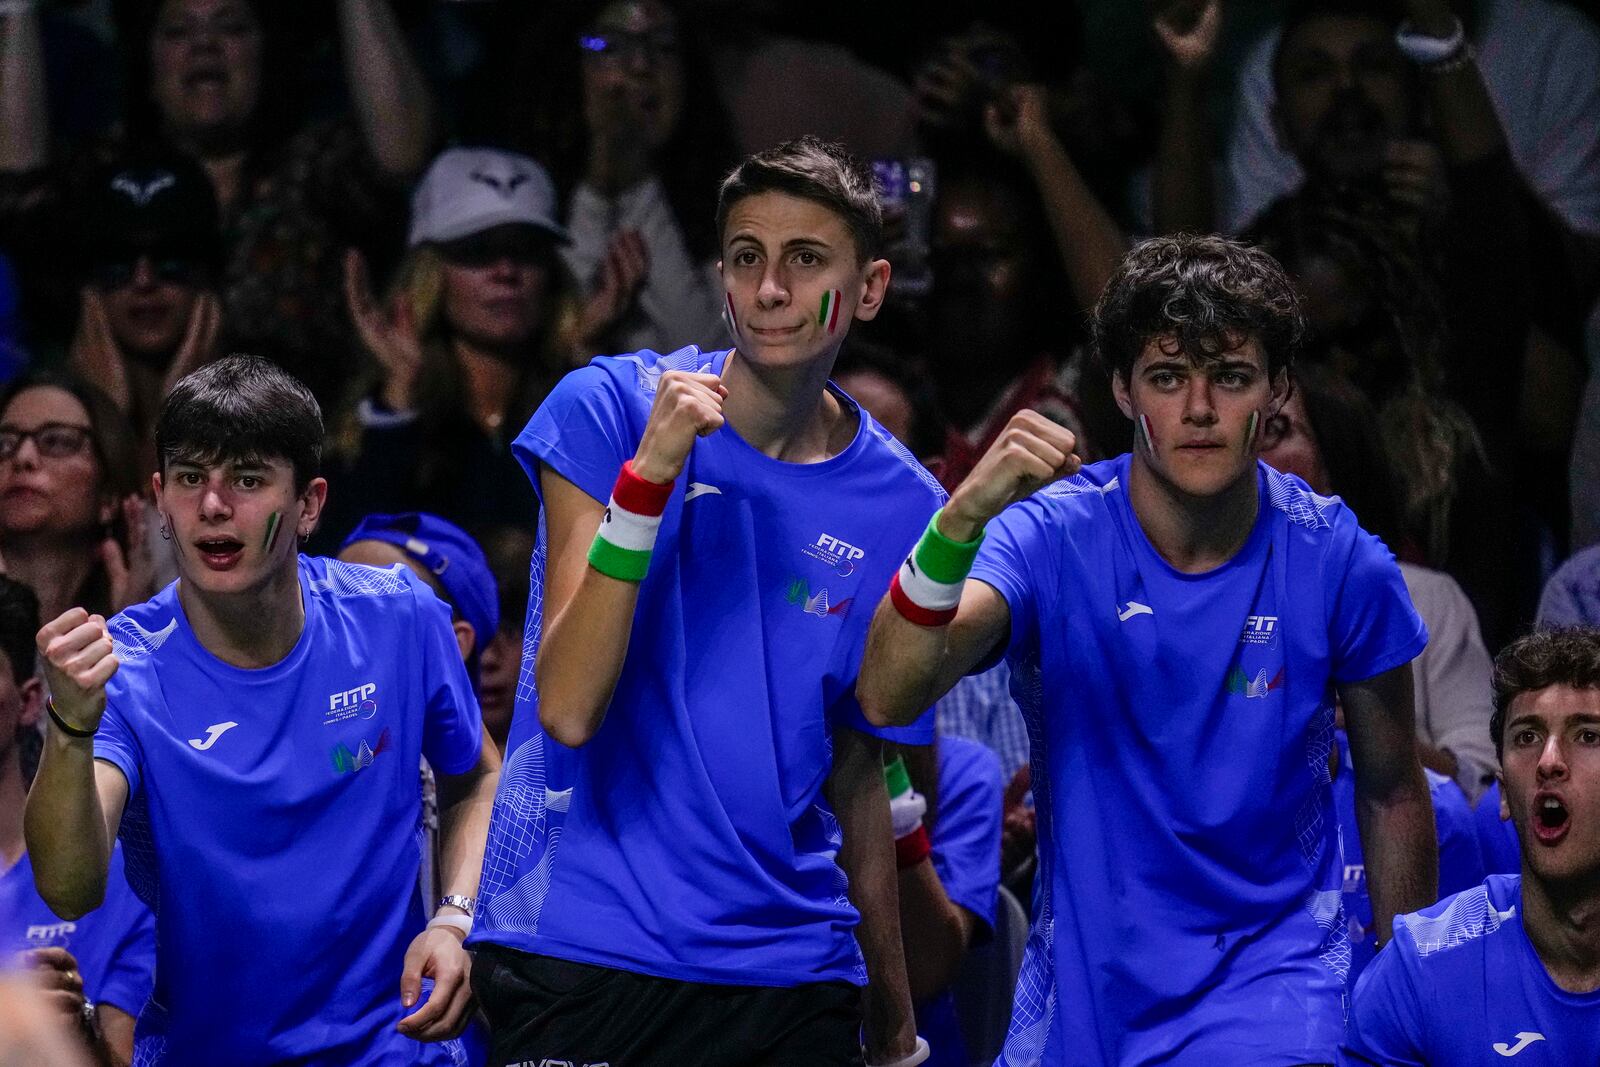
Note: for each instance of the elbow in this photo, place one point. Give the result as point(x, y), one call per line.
point(881, 709)
point(570, 730)
point(71, 902)
point(564, 716)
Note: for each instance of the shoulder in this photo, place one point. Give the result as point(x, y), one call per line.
point(336, 583)
point(893, 456)
point(139, 632)
point(625, 383)
point(1292, 499)
point(1470, 917)
point(641, 371)
point(1084, 496)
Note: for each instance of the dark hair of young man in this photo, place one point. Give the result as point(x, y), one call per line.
point(19, 621)
point(241, 408)
point(1204, 297)
point(110, 434)
point(816, 170)
point(1565, 656)
point(1303, 11)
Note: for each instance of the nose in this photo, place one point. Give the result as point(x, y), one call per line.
point(26, 456)
point(1198, 408)
point(144, 274)
point(214, 504)
point(1552, 760)
point(773, 291)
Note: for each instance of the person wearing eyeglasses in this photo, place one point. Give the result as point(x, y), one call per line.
point(72, 526)
point(148, 257)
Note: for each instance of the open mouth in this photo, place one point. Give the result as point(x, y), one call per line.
point(1551, 820)
point(207, 76)
point(220, 553)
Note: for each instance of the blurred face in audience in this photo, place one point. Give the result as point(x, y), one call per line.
point(498, 671)
point(49, 475)
point(1289, 445)
point(1344, 92)
point(982, 262)
point(633, 67)
point(1550, 767)
point(1347, 328)
point(149, 300)
point(497, 285)
point(205, 60)
point(883, 399)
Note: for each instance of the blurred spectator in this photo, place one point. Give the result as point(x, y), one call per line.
point(948, 905)
point(72, 523)
point(1324, 435)
point(105, 959)
point(509, 550)
point(482, 320)
point(893, 392)
point(1572, 595)
point(211, 79)
point(150, 256)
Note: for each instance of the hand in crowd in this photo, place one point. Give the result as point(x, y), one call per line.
point(131, 568)
point(390, 334)
point(1018, 121)
point(945, 86)
point(436, 953)
point(1019, 833)
point(620, 149)
point(687, 406)
point(1189, 32)
point(621, 273)
point(199, 344)
point(56, 972)
point(1030, 453)
point(78, 661)
point(1415, 178)
point(96, 356)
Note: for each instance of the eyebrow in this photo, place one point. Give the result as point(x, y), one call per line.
point(793, 242)
point(1587, 718)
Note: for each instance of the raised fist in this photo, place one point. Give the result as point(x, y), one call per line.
point(78, 661)
point(688, 405)
point(1030, 453)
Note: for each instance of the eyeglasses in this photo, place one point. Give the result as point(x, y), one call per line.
point(623, 46)
point(56, 440)
point(118, 273)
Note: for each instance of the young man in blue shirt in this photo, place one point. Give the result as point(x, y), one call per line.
point(1510, 970)
point(693, 813)
point(255, 731)
point(1178, 623)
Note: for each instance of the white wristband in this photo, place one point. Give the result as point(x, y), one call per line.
point(458, 922)
point(1425, 50)
point(912, 1060)
point(927, 593)
point(906, 812)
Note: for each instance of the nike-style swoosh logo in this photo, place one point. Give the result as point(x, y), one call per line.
point(700, 489)
point(212, 733)
point(1135, 608)
point(1524, 1039)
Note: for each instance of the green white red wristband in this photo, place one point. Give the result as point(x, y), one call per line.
point(627, 535)
point(906, 809)
point(927, 590)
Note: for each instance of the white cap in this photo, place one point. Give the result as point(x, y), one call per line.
point(469, 190)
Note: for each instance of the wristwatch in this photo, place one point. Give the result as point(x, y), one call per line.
point(456, 900)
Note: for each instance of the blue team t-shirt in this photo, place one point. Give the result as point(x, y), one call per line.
point(690, 838)
point(1460, 860)
point(1189, 891)
point(1460, 984)
point(115, 944)
point(274, 818)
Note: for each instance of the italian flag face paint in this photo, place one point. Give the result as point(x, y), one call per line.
point(1145, 435)
point(1250, 430)
point(272, 531)
point(733, 320)
point(828, 313)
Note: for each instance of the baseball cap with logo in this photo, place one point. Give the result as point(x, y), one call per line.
point(163, 207)
point(451, 556)
point(469, 190)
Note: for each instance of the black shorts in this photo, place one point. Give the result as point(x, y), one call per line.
point(548, 1012)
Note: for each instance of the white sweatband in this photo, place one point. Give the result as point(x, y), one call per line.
point(458, 922)
point(906, 812)
point(912, 1060)
point(1425, 50)
point(927, 593)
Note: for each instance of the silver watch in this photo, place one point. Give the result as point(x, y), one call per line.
point(456, 900)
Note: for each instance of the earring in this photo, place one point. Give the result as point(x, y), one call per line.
point(166, 534)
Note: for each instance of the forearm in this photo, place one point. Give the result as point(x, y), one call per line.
point(65, 828)
point(933, 932)
point(1089, 241)
point(900, 668)
point(464, 824)
point(1464, 116)
point(24, 118)
point(581, 654)
point(393, 103)
point(1401, 849)
point(1184, 198)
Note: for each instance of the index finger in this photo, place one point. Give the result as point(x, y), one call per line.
point(59, 626)
point(54, 957)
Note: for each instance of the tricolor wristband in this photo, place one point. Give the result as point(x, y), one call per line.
point(627, 533)
point(927, 589)
point(913, 848)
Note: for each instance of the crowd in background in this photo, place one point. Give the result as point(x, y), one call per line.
point(430, 211)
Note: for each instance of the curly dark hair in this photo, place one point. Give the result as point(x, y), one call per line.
point(1203, 296)
point(1557, 656)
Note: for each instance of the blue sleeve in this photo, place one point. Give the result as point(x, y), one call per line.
point(452, 725)
point(966, 830)
point(114, 741)
point(1017, 554)
point(1385, 1012)
point(1374, 627)
point(581, 432)
point(1460, 856)
point(846, 711)
point(130, 975)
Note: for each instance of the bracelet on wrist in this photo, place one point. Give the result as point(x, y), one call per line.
point(1426, 50)
point(63, 725)
point(627, 535)
point(454, 922)
point(927, 589)
point(918, 1055)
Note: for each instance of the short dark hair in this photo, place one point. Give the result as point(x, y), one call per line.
point(1208, 293)
point(1304, 11)
point(241, 408)
point(1557, 656)
point(19, 623)
point(816, 170)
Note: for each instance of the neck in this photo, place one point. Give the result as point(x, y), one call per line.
point(12, 795)
point(1562, 920)
point(786, 412)
point(54, 567)
point(226, 171)
point(1193, 533)
point(491, 383)
point(251, 629)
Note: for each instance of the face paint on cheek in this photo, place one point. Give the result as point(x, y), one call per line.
point(730, 318)
point(1145, 436)
point(272, 531)
point(828, 313)
point(1251, 429)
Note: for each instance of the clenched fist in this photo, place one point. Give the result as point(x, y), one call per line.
point(688, 405)
point(78, 661)
point(1030, 453)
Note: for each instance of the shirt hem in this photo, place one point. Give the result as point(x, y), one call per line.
point(668, 969)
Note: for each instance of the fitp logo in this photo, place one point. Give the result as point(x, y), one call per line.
point(360, 701)
point(842, 556)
